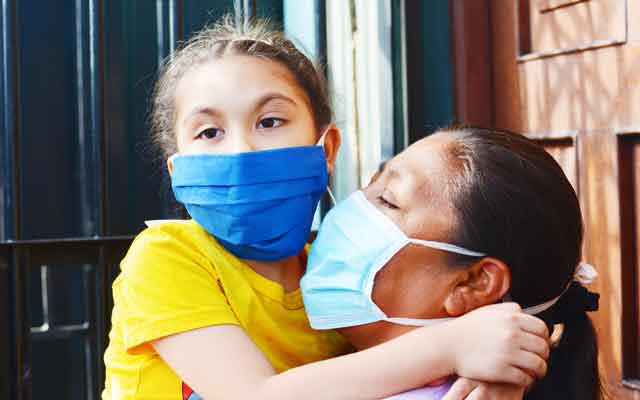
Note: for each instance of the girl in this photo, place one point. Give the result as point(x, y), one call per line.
point(528, 227)
point(211, 307)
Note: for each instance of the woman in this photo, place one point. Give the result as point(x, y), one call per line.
point(459, 220)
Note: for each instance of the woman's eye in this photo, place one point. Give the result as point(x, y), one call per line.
point(386, 203)
point(268, 123)
point(210, 133)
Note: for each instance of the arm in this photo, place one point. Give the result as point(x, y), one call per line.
point(222, 361)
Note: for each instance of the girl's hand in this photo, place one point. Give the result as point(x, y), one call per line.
point(499, 343)
point(469, 389)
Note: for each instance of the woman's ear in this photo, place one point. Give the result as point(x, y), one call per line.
point(331, 145)
point(485, 282)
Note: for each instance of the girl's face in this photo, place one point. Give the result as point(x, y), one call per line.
point(240, 104)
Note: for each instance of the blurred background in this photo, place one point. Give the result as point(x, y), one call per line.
point(78, 176)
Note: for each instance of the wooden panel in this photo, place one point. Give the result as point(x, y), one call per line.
point(591, 93)
point(592, 90)
point(600, 207)
point(563, 149)
point(548, 5)
point(472, 62)
point(558, 26)
point(506, 83)
point(629, 176)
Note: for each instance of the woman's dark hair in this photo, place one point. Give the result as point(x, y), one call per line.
point(514, 202)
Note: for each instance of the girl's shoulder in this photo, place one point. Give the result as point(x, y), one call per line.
point(184, 240)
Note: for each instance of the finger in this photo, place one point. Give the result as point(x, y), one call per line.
point(531, 362)
point(500, 391)
point(477, 394)
point(535, 344)
point(460, 389)
point(517, 376)
point(533, 325)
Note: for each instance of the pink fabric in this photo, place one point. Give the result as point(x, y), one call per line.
point(425, 393)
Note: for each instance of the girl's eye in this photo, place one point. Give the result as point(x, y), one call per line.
point(268, 123)
point(210, 133)
point(385, 203)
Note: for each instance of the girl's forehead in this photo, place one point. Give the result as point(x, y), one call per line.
point(236, 76)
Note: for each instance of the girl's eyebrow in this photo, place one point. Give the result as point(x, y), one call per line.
point(260, 102)
point(213, 112)
point(267, 97)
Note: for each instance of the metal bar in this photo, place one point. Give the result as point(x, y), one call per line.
point(10, 228)
point(99, 139)
point(87, 217)
point(42, 332)
point(176, 21)
point(63, 252)
point(92, 341)
point(21, 356)
point(161, 29)
point(46, 289)
point(89, 56)
point(244, 11)
point(249, 10)
point(66, 240)
point(5, 323)
point(100, 315)
point(399, 65)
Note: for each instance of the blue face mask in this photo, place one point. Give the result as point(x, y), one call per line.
point(355, 241)
point(259, 205)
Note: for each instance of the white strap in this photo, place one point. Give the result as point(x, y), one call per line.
point(333, 199)
point(446, 247)
point(417, 322)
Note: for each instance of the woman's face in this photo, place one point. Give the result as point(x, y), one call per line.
point(239, 104)
point(411, 191)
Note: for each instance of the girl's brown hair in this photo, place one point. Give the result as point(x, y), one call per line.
point(257, 39)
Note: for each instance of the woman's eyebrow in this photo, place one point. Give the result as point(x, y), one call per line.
point(390, 170)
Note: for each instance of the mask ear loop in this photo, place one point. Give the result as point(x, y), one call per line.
point(331, 196)
point(584, 274)
point(320, 142)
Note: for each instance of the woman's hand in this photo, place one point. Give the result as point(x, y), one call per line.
point(499, 343)
point(468, 389)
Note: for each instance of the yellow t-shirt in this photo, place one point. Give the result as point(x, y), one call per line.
point(176, 277)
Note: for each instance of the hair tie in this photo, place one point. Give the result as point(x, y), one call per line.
point(585, 273)
point(577, 299)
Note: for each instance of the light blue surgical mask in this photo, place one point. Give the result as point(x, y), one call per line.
point(355, 241)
